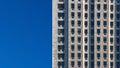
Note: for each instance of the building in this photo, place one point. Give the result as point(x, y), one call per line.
point(86, 34)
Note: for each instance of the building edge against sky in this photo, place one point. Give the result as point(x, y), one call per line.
point(85, 33)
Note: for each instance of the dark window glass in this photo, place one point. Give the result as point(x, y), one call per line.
point(72, 14)
point(60, 6)
point(98, 6)
point(79, 6)
point(98, 15)
point(72, 6)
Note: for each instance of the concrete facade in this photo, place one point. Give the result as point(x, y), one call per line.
point(86, 34)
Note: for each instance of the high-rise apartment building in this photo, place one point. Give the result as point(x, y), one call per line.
point(86, 34)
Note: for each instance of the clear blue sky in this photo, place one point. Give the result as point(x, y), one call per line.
point(25, 33)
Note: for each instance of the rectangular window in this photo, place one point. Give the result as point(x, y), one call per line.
point(86, 15)
point(86, 48)
point(98, 23)
point(105, 31)
point(98, 31)
point(72, 31)
point(105, 63)
point(104, 23)
point(79, 23)
point(72, 39)
point(79, 55)
point(79, 63)
point(86, 23)
point(72, 55)
point(72, 6)
point(86, 56)
point(98, 47)
point(79, 39)
point(98, 39)
point(61, 15)
point(105, 55)
point(60, 31)
point(98, 63)
point(105, 47)
point(98, 6)
point(60, 39)
point(79, 31)
point(98, 55)
point(60, 6)
point(111, 48)
point(72, 63)
point(72, 14)
point(72, 47)
point(60, 64)
point(111, 7)
point(61, 23)
point(79, 14)
point(105, 7)
point(105, 15)
point(111, 24)
point(98, 15)
point(104, 39)
point(111, 16)
point(86, 7)
point(79, 6)
point(60, 47)
point(72, 23)
point(86, 31)
point(79, 47)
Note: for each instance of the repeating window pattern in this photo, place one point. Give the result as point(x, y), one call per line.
point(93, 29)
